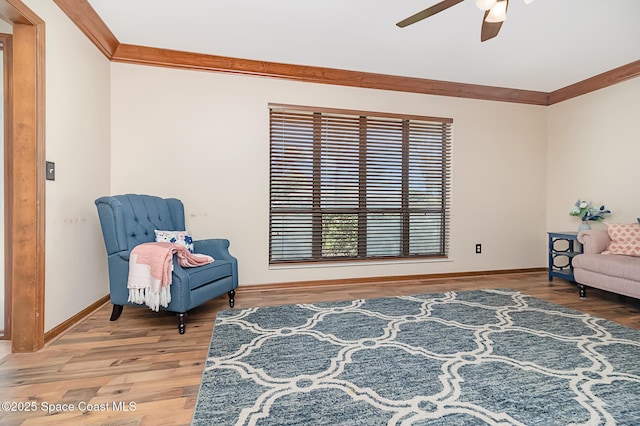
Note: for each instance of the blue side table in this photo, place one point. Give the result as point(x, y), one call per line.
point(563, 246)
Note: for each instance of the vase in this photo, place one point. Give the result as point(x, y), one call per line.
point(584, 226)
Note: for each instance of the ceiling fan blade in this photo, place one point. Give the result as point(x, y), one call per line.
point(430, 11)
point(490, 29)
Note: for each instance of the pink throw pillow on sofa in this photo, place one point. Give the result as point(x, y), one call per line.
point(625, 239)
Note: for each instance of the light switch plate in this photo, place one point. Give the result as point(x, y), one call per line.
point(51, 170)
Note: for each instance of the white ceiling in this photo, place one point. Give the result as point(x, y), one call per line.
point(544, 46)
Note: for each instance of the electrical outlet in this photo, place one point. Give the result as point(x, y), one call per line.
point(478, 248)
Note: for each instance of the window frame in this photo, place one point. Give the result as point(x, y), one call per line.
point(317, 211)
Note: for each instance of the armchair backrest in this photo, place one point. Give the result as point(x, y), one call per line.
point(130, 219)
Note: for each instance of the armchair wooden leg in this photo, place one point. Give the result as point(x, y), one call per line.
point(182, 316)
point(232, 300)
point(116, 312)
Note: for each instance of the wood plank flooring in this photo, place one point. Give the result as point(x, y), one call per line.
point(140, 371)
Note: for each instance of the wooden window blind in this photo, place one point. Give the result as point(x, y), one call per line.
point(349, 185)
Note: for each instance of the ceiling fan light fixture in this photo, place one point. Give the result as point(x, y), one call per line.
point(498, 12)
point(487, 4)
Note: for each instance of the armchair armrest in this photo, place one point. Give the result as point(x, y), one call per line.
point(218, 248)
point(594, 241)
point(124, 255)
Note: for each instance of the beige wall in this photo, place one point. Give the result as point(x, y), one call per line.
point(204, 138)
point(594, 153)
point(77, 140)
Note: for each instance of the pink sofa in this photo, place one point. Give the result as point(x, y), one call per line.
point(611, 272)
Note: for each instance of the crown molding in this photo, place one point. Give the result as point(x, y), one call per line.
point(86, 18)
point(600, 81)
point(197, 61)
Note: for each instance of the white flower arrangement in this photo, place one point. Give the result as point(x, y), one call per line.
point(585, 211)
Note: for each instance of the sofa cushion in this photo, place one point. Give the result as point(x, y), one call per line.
point(616, 266)
point(625, 239)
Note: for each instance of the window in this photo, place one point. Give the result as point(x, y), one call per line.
point(349, 185)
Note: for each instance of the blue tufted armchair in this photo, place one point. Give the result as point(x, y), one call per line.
point(129, 220)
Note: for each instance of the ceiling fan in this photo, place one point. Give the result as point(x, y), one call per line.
point(495, 12)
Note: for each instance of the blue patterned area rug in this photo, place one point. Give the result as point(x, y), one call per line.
point(495, 357)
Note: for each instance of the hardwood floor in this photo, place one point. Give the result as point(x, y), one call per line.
point(140, 371)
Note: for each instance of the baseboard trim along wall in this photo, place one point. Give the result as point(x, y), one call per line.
point(360, 281)
point(61, 328)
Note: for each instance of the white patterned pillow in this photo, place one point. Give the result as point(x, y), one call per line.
point(625, 239)
point(175, 237)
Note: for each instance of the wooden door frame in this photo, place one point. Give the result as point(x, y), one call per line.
point(7, 69)
point(25, 178)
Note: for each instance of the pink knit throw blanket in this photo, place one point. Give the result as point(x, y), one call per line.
point(150, 268)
